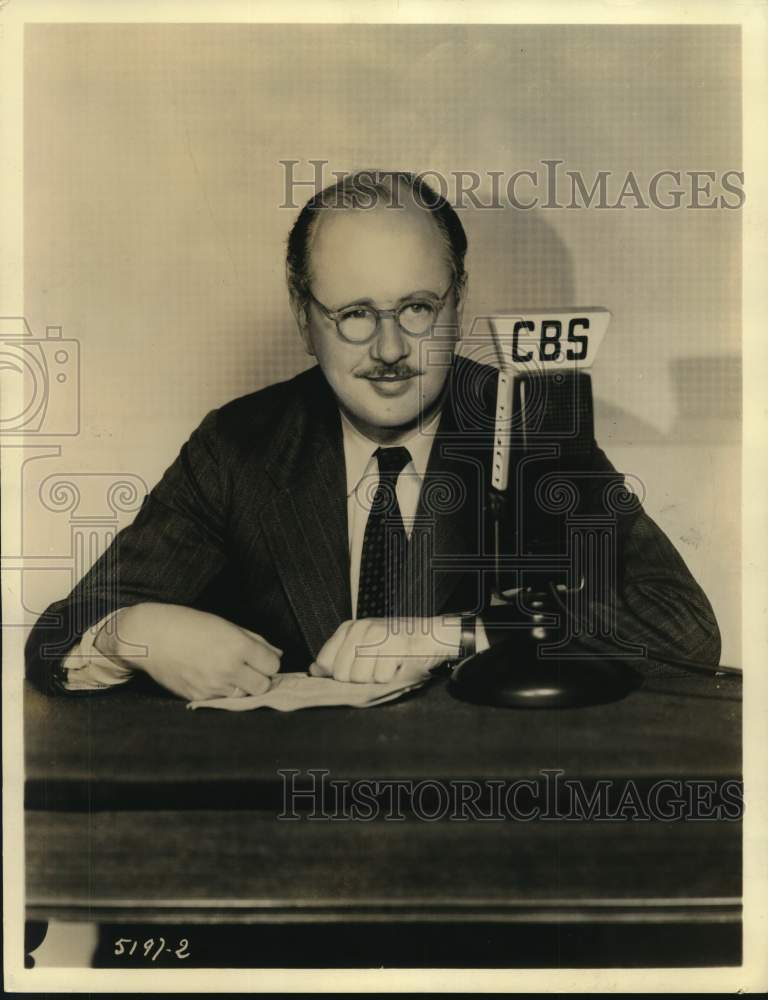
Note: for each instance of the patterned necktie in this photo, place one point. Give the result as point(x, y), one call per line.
point(385, 540)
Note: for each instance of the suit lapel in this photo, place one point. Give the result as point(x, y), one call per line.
point(305, 522)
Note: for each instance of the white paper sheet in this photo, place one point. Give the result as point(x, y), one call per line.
point(292, 691)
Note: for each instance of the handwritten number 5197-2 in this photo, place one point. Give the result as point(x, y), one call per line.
point(152, 948)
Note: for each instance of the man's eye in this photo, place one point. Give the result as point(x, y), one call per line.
point(360, 313)
point(417, 313)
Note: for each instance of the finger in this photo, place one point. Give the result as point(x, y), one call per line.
point(346, 654)
point(416, 669)
point(385, 669)
point(318, 670)
point(250, 680)
point(362, 669)
point(332, 646)
point(258, 657)
point(366, 647)
point(327, 655)
point(224, 689)
point(261, 639)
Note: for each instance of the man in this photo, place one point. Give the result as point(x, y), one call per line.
point(335, 521)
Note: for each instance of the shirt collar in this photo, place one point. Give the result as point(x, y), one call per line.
point(358, 449)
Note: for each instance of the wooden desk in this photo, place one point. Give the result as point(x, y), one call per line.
point(140, 810)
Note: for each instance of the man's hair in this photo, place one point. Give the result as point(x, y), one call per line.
point(366, 189)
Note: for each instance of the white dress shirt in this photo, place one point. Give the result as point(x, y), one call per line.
point(87, 669)
point(363, 480)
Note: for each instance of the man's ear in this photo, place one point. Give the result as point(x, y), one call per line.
point(459, 307)
point(300, 312)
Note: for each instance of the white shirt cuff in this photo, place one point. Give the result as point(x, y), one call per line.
point(88, 669)
point(481, 639)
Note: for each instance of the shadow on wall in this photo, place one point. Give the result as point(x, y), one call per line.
point(707, 406)
point(518, 260)
point(708, 399)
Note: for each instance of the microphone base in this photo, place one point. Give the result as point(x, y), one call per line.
point(511, 675)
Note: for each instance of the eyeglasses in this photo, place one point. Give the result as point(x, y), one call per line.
point(359, 323)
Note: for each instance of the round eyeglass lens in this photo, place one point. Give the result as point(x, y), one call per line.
point(417, 317)
point(358, 324)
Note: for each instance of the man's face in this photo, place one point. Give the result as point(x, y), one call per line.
point(381, 257)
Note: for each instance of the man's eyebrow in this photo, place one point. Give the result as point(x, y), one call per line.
point(403, 298)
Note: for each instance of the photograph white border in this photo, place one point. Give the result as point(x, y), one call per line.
point(752, 976)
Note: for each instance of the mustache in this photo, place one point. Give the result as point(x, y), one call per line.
point(380, 371)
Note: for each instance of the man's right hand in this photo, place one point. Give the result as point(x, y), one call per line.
point(194, 654)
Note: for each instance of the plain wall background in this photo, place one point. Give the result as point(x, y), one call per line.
point(154, 236)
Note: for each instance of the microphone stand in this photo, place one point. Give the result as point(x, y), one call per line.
point(520, 672)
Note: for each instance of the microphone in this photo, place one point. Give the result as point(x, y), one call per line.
point(541, 476)
point(544, 434)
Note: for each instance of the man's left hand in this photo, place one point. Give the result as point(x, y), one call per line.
point(369, 650)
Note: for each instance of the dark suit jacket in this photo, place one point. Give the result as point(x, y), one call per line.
point(250, 522)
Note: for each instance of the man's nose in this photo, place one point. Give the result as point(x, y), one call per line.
point(390, 344)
